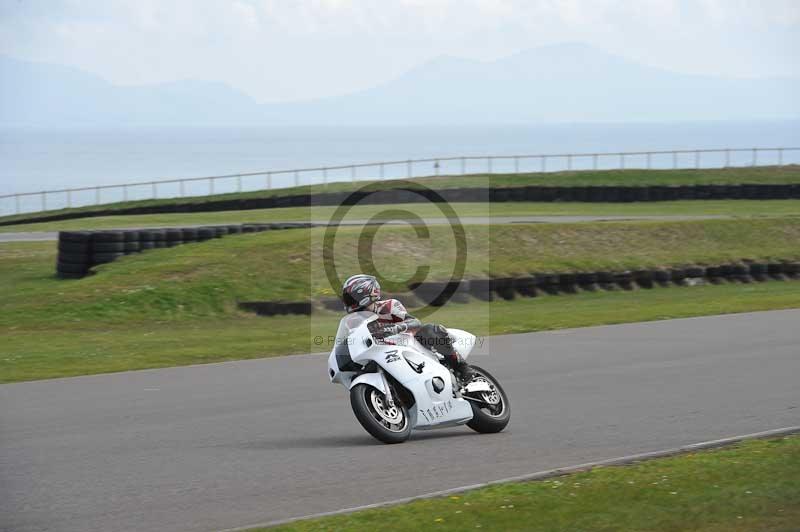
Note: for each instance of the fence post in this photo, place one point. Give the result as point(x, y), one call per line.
point(436, 167)
point(69, 198)
point(755, 156)
point(269, 180)
point(780, 156)
point(155, 189)
point(648, 160)
point(674, 160)
point(16, 203)
point(296, 178)
point(594, 161)
point(124, 192)
point(569, 162)
point(238, 183)
point(727, 157)
point(182, 184)
point(544, 163)
point(697, 159)
point(352, 173)
point(516, 164)
point(382, 171)
point(97, 195)
point(489, 165)
point(622, 161)
point(44, 201)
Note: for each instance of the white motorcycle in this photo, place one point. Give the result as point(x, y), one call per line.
point(397, 385)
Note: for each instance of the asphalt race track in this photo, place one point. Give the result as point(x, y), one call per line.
point(224, 445)
point(37, 236)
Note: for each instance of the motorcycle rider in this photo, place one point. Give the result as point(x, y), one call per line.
point(362, 292)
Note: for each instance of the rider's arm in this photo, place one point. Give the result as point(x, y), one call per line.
point(401, 315)
point(402, 321)
point(410, 323)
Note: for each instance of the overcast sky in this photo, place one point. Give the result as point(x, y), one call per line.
point(295, 49)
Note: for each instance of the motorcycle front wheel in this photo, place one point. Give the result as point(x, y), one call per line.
point(492, 412)
point(388, 424)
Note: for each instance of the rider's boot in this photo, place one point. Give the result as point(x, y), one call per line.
point(464, 372)
point(459, 366)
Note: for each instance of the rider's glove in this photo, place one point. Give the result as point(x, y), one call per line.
point(391, 330)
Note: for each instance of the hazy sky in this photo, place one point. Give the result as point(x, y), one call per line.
point(294, 49)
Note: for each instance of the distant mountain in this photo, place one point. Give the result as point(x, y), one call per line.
point(560, 83)
point(37, 94)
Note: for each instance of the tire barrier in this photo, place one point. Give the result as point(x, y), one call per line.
point(644, 278)
point(567, 283)
point(480, 289)
point(537, 284)
point(624, 280)
point(437, 294)
point(534, 285)
point(74, 248)
point(526, 286)
point(534, 193)
point(587, 281)
point(677, 275)
point(758, 272)
point(662, 277)
point(79, 251)
point(503, 287)
point(605, 280)
point(276, 308)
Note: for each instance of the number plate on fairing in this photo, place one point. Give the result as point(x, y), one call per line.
point(437, 411)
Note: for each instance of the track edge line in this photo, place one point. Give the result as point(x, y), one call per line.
point(539, 475)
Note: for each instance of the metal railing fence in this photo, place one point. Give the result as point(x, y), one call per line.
point(27, 202)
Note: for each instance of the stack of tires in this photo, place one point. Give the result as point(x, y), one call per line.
point(173, 237)
point(107, 246)
point(74, 254)
point(132, 242)
point(148, 238)
point(205, 233)
point(189, 234)
point(80, 250)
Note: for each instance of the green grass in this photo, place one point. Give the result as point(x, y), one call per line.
point(754, 485)
point(733, 208)
point(761, 174)
point(207, 279)
point(178, 306)
point(62, 347)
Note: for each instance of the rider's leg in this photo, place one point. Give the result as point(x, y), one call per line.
point(436, 338)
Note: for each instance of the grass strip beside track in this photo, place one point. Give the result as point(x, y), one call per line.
point(208, 279)
point(749, 486)
point(634, 177)
point(61, 347)
point(177, 306)
point(733, 208)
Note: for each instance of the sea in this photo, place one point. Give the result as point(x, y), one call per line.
point(33, 160)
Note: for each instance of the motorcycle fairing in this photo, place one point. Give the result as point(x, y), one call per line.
point(431, 409)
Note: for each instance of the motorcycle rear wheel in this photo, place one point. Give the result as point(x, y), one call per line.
point(384, 423)
point(488, 418)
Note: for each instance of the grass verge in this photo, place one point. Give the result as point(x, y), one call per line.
point(733, 208)
point(749, 486)
point(80, 346)
point(633, 177)
point(205, 280)
point(177, 306)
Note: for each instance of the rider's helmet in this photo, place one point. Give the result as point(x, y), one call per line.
point(358, 291)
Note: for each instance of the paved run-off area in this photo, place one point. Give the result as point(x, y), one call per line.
point(43, 236)
point(224, 445)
